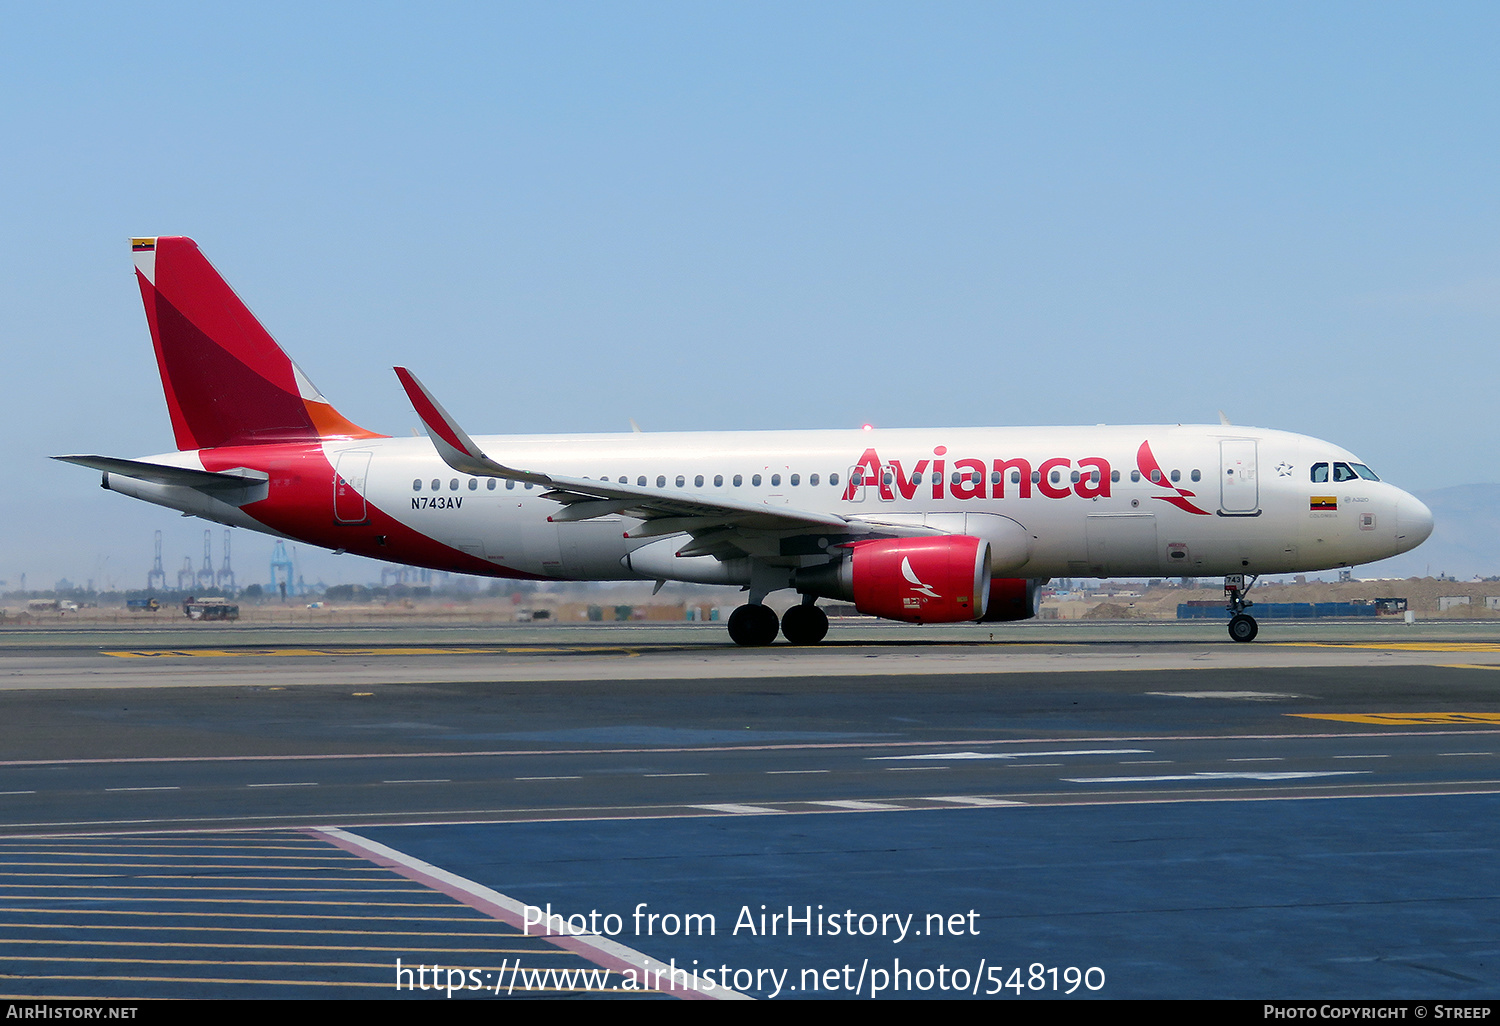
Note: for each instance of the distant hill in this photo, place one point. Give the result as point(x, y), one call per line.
point(1465, 540)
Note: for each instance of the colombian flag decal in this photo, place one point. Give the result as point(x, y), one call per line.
point(137, 245)
point(1323, 502)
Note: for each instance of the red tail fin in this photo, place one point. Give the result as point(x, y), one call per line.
point(227, 381)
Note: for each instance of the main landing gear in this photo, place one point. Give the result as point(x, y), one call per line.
point(1242, 626)
point(754, 625)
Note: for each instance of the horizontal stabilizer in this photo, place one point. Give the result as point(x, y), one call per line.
point(185, 477)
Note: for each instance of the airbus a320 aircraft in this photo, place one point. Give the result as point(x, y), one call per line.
point(926, 526)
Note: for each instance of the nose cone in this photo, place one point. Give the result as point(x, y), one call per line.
point(1413, 522)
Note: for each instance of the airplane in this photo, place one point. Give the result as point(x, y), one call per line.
point(931, 525)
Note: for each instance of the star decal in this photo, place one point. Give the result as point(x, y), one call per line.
point(1283, 470)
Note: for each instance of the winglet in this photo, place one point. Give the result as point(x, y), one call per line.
point(454, 444)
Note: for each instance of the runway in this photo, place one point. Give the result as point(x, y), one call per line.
point(590, 751)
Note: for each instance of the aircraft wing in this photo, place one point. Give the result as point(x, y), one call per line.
point(718, 525)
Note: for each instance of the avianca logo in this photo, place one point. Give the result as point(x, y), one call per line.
point(911, 575)
point(1145, 461)
point(1088, 478)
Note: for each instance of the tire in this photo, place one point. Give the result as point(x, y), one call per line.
point(804, 625)
point(753, 626)
point(1243, 627)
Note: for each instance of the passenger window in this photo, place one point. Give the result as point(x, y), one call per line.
point(1075, 477)
point(833, 480)
point(681, 480)
point(528, 486)
point(490, 484)
point(1015, 477)
point(1319, 473)
point(698, 481)
point(813, 480)
point(1197, 475)
point(1114, 476)
point(640, 482)
point(416, 485)
point(739, 479)
point(661, 480)
point(473, 484)
point(775, 480)
point(1036, 477)
point(718, 480)
point(755, 480)
point(1176, 476)
point(796, 479)
point(1135, 475)
point(436, 485)
point(453, 485)
point(511, 484)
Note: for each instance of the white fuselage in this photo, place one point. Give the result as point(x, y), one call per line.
point(1063, 501)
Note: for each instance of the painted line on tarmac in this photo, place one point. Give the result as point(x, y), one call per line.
point(395, 650)
point(600, 950)
point(773, 747)
point(1397, 646)
point(1404, 719)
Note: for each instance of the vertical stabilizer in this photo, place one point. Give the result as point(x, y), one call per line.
point(226, 380)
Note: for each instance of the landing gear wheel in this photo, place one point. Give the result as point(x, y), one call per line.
point(805, 625)
point(1243, 627)
point(753, 625)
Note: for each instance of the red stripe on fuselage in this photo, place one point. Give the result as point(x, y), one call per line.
point(300, 505)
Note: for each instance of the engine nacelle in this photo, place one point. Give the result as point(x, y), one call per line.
point(1012, 598)
point(919, 580)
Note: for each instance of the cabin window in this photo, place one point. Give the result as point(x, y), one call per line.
point(755, 480)
point(416, 485)
point(1056, 476)
point(1197, 475)
point(1114, 475)
point(1135, 475)
point(698, 481)
point(796, 479)
point(739, 479)
point(453, 485)
point(775, 480)
point(1075, 477)
point(1156, 477)
point(833, 480)
point(490, 484)
point(511, 484)
point(813, 479)
point(718, 480)
point(681, 480)
point(473, 484)
point(661, 480)
point(1176, 476)
point(436, 485)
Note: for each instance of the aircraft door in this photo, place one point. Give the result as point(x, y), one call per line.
point(1239, 488)
point(349, 488)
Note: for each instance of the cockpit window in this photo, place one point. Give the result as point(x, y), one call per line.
point(1343, 472)
point(1364, 472)
point(1319, 473)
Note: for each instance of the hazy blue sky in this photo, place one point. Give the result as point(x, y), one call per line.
point(706, 215)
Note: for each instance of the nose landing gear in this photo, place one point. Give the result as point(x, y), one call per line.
point(1242, 626)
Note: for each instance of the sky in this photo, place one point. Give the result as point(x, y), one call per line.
point(741, 215)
